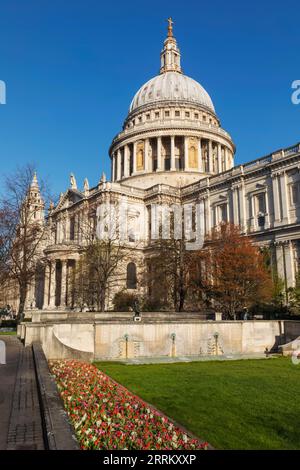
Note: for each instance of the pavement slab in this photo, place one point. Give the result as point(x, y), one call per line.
point(8, 374)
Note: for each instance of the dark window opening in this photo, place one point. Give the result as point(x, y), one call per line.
point(131, 281)
point(72, 228)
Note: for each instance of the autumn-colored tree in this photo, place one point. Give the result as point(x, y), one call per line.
point(235, 272)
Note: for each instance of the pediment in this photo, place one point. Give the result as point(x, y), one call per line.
point(70, 197)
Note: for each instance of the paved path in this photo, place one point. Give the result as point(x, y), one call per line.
point(8, 375)
point(20, 416)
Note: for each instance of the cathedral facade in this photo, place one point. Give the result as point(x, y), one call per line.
point(172, 145)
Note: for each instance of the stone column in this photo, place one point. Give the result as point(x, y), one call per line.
point(30, 297)
point(207, 211)
point(134, 157)
point(173, 166)
point(200, 168)
point(46, 286)
point(242, 215)
point(235, 205)
point(226, 159)
point(159, 162)
point(52, 284)
point(146, 165)
point(230, 159)
point(215, 213)
point(210, 157)
point(219, 158)
point(289, 264)
point(253, 214)
point(119, 164)
point(126, 161)
point(63, 290)
point(276, 200)
point(280, 260)
point(267, 215)
point(186, 153)
point(113, 168)
point(284, 199)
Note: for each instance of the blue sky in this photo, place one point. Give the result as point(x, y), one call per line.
point(72, 67)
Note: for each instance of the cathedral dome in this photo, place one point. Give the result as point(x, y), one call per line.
point(172, 86)
point(171, 134)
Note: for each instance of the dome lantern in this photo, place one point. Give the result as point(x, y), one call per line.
point(170, 55)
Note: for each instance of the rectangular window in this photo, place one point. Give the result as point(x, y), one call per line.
point(196, 116)
point(72, 228)
point(148, 117)
point(157, 115)
point(261, 203)
point(167, 113)
point(295, 193)
point(177, 113)
point(223, 212)
point(187, 114)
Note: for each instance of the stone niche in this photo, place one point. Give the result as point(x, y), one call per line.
point(193, 152)
point(140, 153)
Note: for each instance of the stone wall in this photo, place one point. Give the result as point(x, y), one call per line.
point(185, 338)
point(116, 336)
point(292, 330)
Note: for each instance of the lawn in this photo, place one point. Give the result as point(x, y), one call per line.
point(245, 404)
point(8, 333)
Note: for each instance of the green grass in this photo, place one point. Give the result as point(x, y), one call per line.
point(245, 404)
point(10, 333)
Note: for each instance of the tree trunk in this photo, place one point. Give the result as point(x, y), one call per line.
point(181, 300)
point(23, 294)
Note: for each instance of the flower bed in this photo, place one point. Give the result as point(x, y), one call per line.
point(105, 415)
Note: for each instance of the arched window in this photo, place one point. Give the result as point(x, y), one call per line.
point(131, 279)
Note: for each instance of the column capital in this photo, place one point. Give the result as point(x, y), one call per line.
point(275, 174)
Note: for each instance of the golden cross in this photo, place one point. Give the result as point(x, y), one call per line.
point(170, 27)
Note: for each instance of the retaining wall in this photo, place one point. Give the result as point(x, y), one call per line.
point(114, 336)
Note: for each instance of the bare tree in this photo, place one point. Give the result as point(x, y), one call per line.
point(169, 273)
point(101, 264)
point(22, 229)
point(4, 246)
